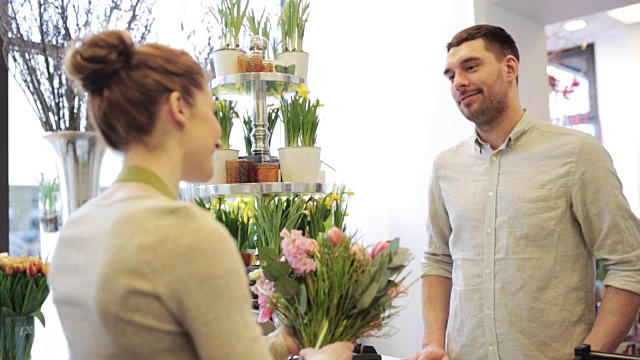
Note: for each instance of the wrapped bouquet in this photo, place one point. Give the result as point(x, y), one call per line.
point(331, 289)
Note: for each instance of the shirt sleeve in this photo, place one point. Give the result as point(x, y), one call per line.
point(203, 282)
point(609, 227)
point(437, 257)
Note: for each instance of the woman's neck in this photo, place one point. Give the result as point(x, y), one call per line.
point(165, 162)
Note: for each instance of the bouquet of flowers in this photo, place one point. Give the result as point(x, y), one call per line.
point(23, 290)
point(330, 289)
point(23, 286)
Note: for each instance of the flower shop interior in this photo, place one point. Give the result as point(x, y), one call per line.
point(382, 91)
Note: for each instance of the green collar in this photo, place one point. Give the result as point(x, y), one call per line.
point(145, 176)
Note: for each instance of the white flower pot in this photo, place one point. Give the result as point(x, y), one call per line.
point(300, 164)
point(220, 158)
point(225, 61)
point(299, 58)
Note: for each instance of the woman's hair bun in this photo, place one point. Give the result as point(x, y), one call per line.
point(94, 61)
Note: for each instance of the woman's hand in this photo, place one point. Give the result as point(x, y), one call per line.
point(336, 351)
point(290, 342)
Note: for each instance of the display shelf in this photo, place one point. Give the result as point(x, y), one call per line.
point(259, 87)
point(260, 188)
point(236, 86)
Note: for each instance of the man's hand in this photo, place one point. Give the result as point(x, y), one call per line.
point(430, 352)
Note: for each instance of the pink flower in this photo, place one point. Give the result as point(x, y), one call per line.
point(264, 288)
point(336, 236)
point(397, 290)
point(378, 248)
point(297, 250)
point(360, 254)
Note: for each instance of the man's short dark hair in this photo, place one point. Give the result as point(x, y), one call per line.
point(496, 39)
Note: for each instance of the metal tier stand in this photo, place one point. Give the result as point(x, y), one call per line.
point(259, 86)
point(259, 188)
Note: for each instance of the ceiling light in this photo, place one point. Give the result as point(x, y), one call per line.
point(575, 25)
point(626, 14)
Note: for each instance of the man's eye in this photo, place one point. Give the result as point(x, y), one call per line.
point(471, 67)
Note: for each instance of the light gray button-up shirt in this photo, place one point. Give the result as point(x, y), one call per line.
point(517, 230)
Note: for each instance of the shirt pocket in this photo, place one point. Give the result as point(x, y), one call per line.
point(535, 220)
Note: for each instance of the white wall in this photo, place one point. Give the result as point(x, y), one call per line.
point(387, 113)
point(617, 56)
point(530, 38)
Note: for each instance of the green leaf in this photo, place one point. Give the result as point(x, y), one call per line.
point(276, 271)
point(394, 245)
point(401, 258)
point(302, 294)
point(287, 287)
point(267, 254)
point(38, 314)
point(368, 296)
point(6, 312)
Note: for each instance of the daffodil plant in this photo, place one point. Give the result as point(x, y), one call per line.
point(226, 112)
point(258, 26)
point(230, 15)
point(300, 118)
point(293, 20)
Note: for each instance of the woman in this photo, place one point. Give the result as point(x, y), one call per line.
point(137, 274)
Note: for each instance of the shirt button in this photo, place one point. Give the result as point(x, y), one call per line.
point(490, 193)
point(493, 158)
point(488, 271)
point(490, 348)
point(488, 231)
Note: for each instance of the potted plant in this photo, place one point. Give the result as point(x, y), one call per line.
point(260, 29)
point(230, 16)
point(50, 204)
point(36, 38)
point(292, 22)
point(226, 113)
point(300, 118)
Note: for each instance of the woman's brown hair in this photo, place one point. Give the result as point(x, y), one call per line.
point(126, 83)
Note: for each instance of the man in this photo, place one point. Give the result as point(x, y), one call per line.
point(517, 214)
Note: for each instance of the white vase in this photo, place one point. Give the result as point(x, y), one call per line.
point(299, 58)
point(220, 158)
point(225, 61)
point(300, 163)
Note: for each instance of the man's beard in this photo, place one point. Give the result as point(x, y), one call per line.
point(491, 108)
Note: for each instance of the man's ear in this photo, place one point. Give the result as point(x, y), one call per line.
point(512, 67)
point(177, 108)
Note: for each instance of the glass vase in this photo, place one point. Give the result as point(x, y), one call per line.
point(17, 335)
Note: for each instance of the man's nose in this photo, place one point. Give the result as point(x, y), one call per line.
point(460, 81)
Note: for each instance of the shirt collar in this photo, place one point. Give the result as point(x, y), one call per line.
point(524, 124)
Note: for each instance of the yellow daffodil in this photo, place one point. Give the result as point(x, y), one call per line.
point(303, 92)
point(346, 214)
point(320, 105)
point(350, 193)
point(342, 199)
point(335, 197)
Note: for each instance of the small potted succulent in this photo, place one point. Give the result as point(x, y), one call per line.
point(292, 22)
point(230, 16)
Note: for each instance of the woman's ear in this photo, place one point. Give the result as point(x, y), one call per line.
point(177, 108)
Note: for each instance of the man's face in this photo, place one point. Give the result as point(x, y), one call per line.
point(478, 84)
